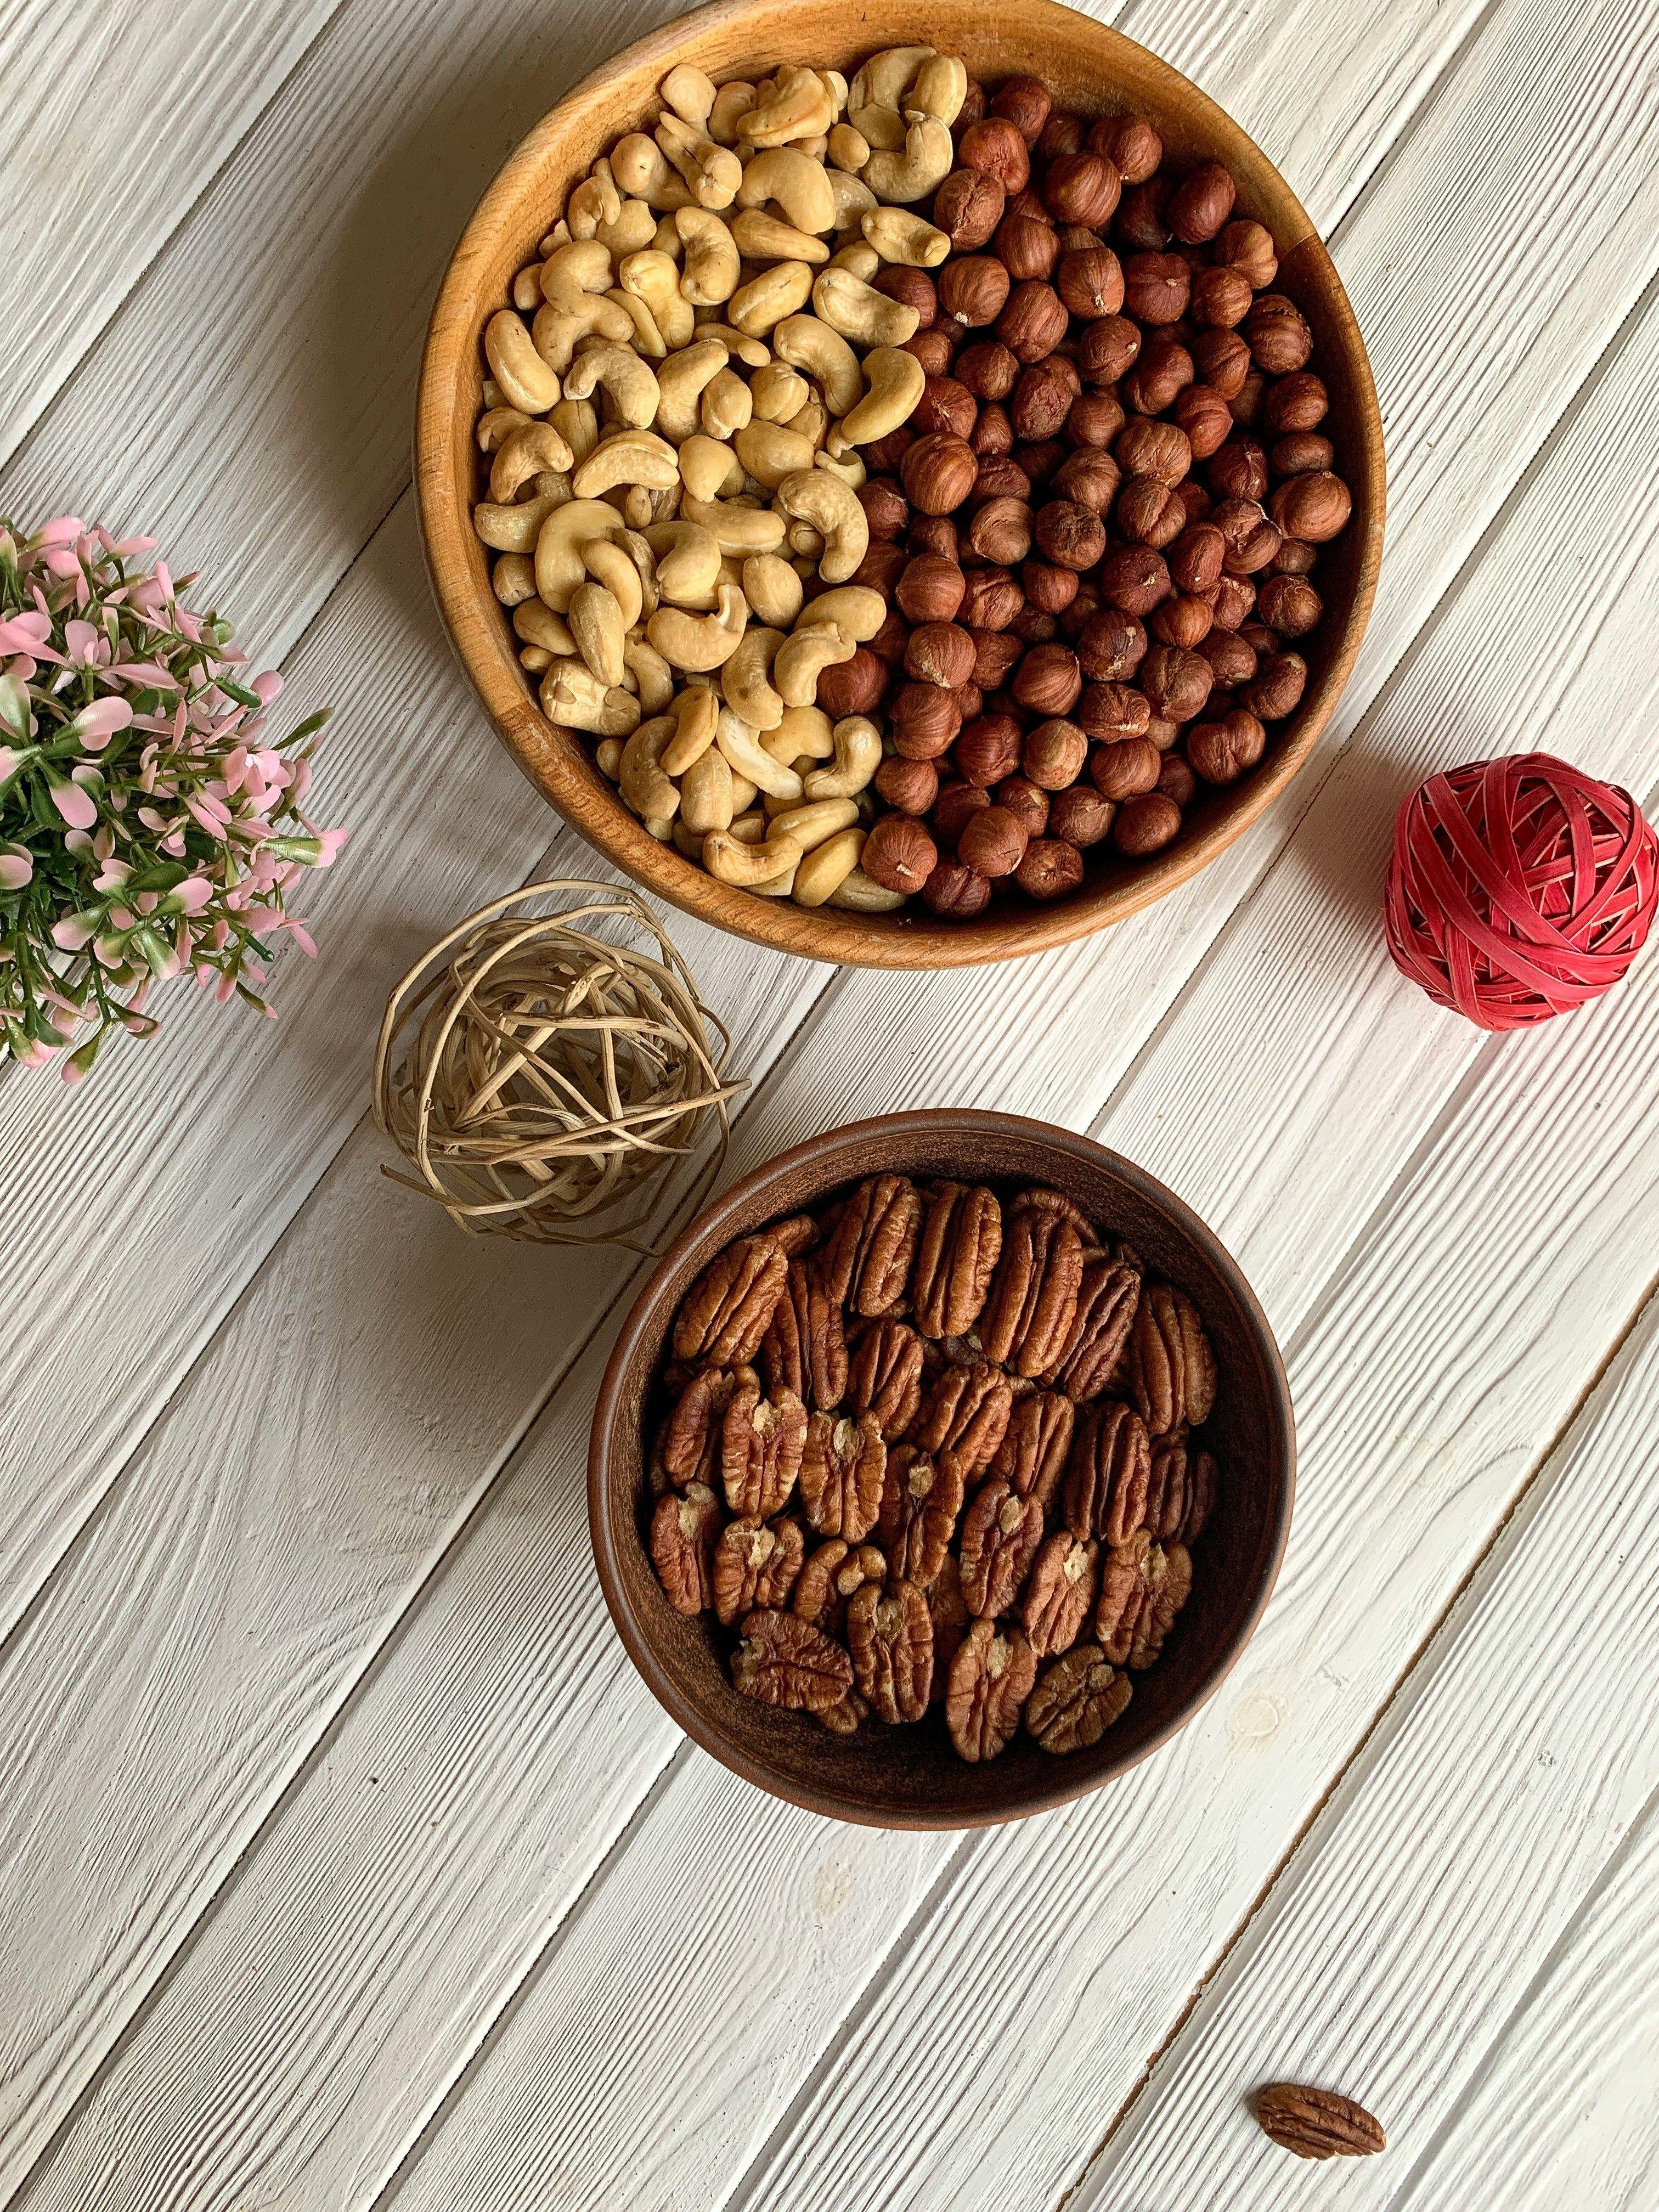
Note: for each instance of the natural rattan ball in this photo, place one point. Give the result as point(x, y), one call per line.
point(544, 1079)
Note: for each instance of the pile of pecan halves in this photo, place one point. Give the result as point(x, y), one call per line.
point(935, 1447)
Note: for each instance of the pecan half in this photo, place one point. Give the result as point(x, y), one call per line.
point(1000, 1534)
point(796, 1235)
point(756, 1564)
point(956, 1256)
point(1077, 1700)
point(920, 1503)
point(1106, 1297)
point(832, 1575)
point(1143, 1586)
point(683, 1533)
point(1065, 1576)
point(964, 1418)
point(947, 1609)
point(1107, 1475)
point(1032, 1457)
point(1179, 1491)
point(1034, 1294)
point(689, 1444)
point(1040, 1199)
point(991, 1678)
point(1317, 2123)
point(761, 1440)
point(784, 1660)
point(1170, 1365)
point(729, 1308)
point(842, 1718)
point(884, 1376)
point(804, 1348)
point(866, 1263)
point(891, 1637)
point(840, 1471)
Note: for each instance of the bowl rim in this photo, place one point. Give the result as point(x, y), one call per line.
point(561, 770)
point(711, 1229)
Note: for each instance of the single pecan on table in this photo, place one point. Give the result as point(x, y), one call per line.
point(884, 1376)
point(834, 1574)
point(957, 1254)
point(892, 1636)
point(1106, 1474)
point(1060, 1595)
point(729, 1308)
point(843, 1464)
point(1077, 1699)
point(804, 1348)
point(991, 1678)
point(1318, 2123)
point(1000, 1536)
point(784, 1660)
point(761, 1440)
point(756, 1564)
point(1143, 1586)
point(866, 1262)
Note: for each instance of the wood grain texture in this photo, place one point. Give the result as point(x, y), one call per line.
point(1510, 1751)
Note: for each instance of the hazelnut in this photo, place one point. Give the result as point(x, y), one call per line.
point(882, 565)
point(987, 750)
point(1176, 683)
point(1277, 690)
point(1277, 334)
point(1149, 512)
point(1232, 658)
point(1130, 144)
point(995, 653)
point(1061, 134)
point(886, 510)
point(1196, 557)
point(1110, 646)
point(993, 600)
point(992, 841)
point(1290, 604)
point(1069, 536)
point(1042, 397)
point(1140, 222)
point(940, 653)
point(1048, 589)
point(1080, 815)
point(933, 347)
point(1162, 733)
point(885, 455)
point(1176, 780)
point(996, 148)
point(1026, 801)
point(1301, 453)
point(1108, 348)
point(1028, 202)
point(1039, 457)
point(911, 786)
point(1252, 539)
point(890, 641)
point(1222, 360)
point(1083, 188)
point(1221, 751)
point(1194, 497)
point(1094, 420)
point(1313, 508)
point(1089, 280)
point(1089, 479)
point(1145, 825)
point(955, 890)
point(1221, 298)
point(1081, 612)
point(1184, 620)
point(1257, 636)
point(1158, 378)
point(993, 434)
point(967, 208)
point(925, 721)
point(1145, 448)
point(1156, 287)
point(1049, 869)
point(1000, 531)
point(1054, 753)
point(1296, 402)
point(1294, 558)
point(1249, 247)
point(944, 405)
point(938, 472)
point(988, 370)
point(1205, 418)
point(934, 533)
point(955, 807)
point(1034, 627)
point(855, 687)
point(931, 589)
point(1024, 101)
point(1124, 768)
point(1246, 402)
point(1047, 680)
point(970, 699)
point(1202, 202)
point(1238, 470)
point(976, 102)
point(899, 853)
point(912, 287)
point(1000, 476)
point(972, 290)
point(1134, 578)
point(1025, 246)
point(1034, 321)
point(1111, 712)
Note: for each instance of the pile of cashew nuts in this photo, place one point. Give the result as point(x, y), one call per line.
point(672, 414)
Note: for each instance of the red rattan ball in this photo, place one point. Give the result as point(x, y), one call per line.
point(1519, 889)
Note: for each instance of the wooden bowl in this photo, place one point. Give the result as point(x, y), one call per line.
point(910, 1777)
point(1091, 69)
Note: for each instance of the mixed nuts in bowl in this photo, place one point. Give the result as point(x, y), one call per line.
point(941, 502)
point(940, 1471)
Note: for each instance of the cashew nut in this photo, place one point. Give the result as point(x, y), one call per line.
point(642, 170)
point(577, 422)
point(713, 266)
point(811, 824)
point(594, 201)
point(778, 391)
point(607, 757)
point(749, 826)
point(629, 382)
point(629, 456)
point(906, 238)
point(645, 787)
point(646, 339)
point(634, 229)
point(726, 405)
point(654, 276)
point(750, 351)
point(614, 567)
point(536, 624)
point(806, 544)
point(575, 271)
point(680, 383)
point(770, 452)
point(826, 868)
point(887, 77)
point(750, 758)
point(803, 734)
point(881, 128)
point(689, 94)
point(854, 198)
point(818, 351)
point(940, 88)
point(803, 657)
point(526, 293)
point(798, 104)
point(771, 586)
point(848, 465)
point(816, 496)
point(559, 566)
point(732, 103)
point(855, 608)
point(860, 894)
point(573, 696)
point(514, 529)
point(712, 173)
point(763, 303)
point(652, 675)
point(696, 713)
point(857, 757)
point(744, 680)
point(812, 423)
point(557, 331)
point(688, 562)
point(762, 237)
point(600, 632)
point(849, 149)
point(706, 793)
point(497, 424)
point(741, 530)
point(513, 579)
point(859, 257)
point(921, 167)
point(527, 381)
point(896, 380)
point(538, 445)
point(798, 184)
point(858, 311)
point(699, 641)
point(751, 867)
point(709, 468)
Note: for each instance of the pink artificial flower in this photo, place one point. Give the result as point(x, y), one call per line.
point(17, 867)
point(75, 805)
point(94, 726)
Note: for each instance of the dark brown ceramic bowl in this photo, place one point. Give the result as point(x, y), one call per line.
point(910, 1777)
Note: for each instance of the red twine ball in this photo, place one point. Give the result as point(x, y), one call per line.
point(1519, 889)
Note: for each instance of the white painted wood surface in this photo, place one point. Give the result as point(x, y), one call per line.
point(343, 1859)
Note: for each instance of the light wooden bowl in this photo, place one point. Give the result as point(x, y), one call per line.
point(1091, 69)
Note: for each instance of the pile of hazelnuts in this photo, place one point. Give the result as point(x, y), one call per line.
point(1099, 528)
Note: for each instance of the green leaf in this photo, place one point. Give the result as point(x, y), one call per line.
point(14, 709)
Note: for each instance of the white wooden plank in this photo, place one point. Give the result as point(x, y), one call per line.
point(118, 118)
point(1508, 1763)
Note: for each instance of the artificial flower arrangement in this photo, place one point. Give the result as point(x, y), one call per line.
point(148, 822)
